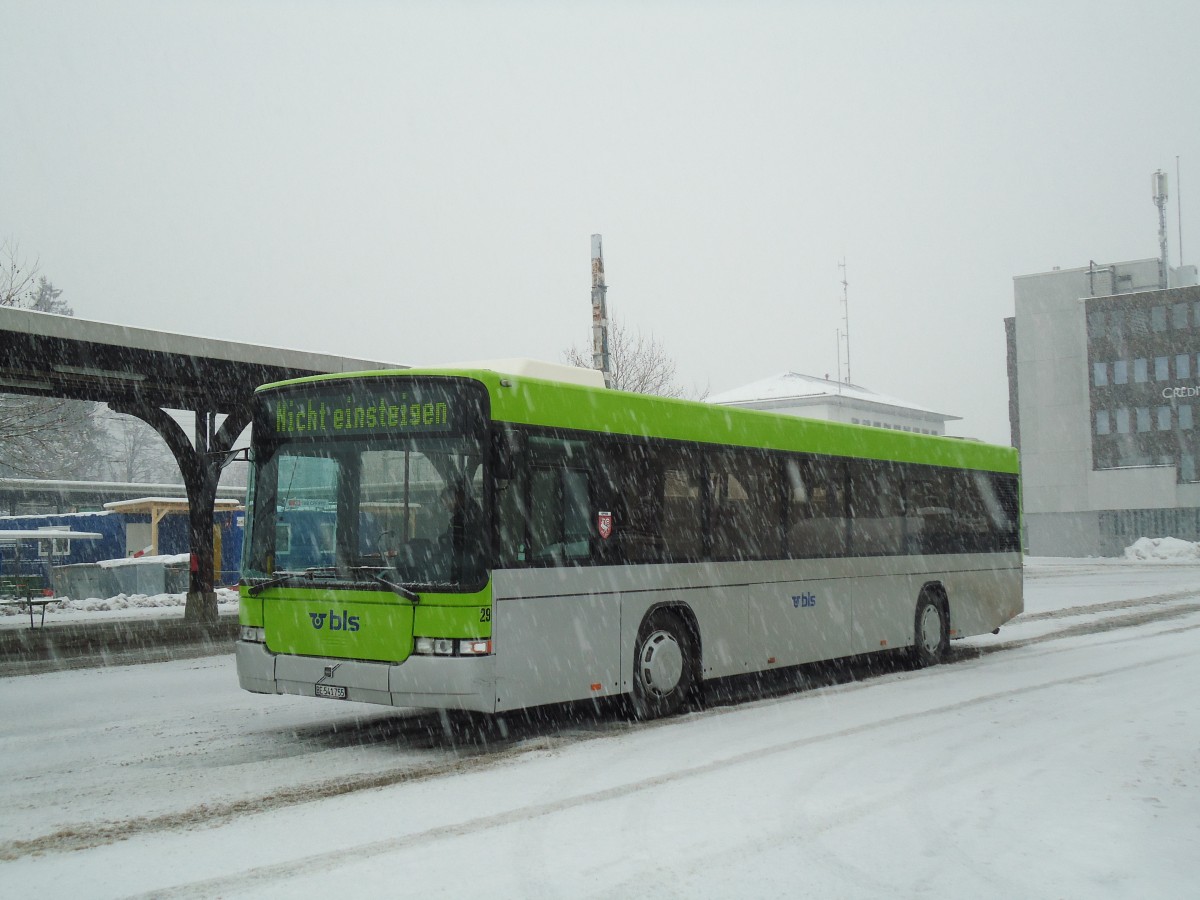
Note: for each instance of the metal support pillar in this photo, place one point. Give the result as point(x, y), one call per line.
point(200, 464)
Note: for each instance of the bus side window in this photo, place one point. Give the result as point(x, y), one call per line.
point(999, 493)
point(512, 513)
point(746, 512)
point(512, 516)
point(929, 513)
point(816, 512)
point(560, 519)
point(683, 506)
point(877, 520)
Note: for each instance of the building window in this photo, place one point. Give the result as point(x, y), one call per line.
point(1139, 322)
point(1164, 418)
point(1102, 424)
point(1183, 367)
point(1140, 371)
point(1179, 318)
point(1100, 374)
point(1143, 418)
point(59, 547)
point(1161, 368)
point(1185, 417)
point(1158, 318)
point(1120, 372)
point(1116, 324)
point(1122, 421)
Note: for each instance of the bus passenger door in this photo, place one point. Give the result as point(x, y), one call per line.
point(556, 621)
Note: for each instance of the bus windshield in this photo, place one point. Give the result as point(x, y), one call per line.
point(393, 506)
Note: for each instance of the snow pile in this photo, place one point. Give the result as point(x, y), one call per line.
point(175, 559)
point(1162, 548)
point(227, 600)
point(134, 601)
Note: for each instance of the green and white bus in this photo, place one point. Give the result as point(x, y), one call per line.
point(475, 540)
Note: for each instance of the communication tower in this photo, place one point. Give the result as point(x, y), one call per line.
point(601, 360)
point(1158, 184)
point(846, 322)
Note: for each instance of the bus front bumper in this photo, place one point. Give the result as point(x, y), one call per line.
point(437, 682)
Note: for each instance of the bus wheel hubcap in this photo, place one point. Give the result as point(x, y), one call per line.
point(661, 663)
point(931, 629)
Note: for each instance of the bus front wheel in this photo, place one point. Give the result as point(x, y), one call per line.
point(932, 641)
point(663, 672)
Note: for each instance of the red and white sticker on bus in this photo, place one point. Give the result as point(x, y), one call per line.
point(604, 522)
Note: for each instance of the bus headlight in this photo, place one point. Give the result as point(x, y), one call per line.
point(426, 646)
point(254, 635)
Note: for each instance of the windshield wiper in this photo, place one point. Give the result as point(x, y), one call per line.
point(402, 590)
point(277, 578)
point(282, 577)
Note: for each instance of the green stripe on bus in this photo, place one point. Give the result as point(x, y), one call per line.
point(532, 401)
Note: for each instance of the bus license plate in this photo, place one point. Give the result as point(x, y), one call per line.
point(332, 691)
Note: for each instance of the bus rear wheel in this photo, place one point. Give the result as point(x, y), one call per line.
point(932, 642)
point(663, 669)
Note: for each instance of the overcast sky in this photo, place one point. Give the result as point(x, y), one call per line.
point(418, 182)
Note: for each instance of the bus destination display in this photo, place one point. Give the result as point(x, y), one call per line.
point(386, 410)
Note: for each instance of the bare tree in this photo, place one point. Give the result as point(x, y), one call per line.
point(43, 437)
point(135, 452)
point(17, 277)
point(640, 362)
point(47, 438)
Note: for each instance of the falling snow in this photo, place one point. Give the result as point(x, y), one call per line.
point(1056, 759)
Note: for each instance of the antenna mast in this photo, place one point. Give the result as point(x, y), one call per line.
point(845, 321)
point(1158, 182)
point(600, 356)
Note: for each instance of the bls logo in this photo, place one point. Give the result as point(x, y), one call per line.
point(343, 622)
point(804, 600)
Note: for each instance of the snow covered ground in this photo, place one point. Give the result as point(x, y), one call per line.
point(1058, 759)
point(122, 606)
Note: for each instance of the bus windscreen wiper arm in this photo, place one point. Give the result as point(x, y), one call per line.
point(281, 577)
point(277, 578)
point(405, 592)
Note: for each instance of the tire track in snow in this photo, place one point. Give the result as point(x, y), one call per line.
point(1099, 626)
point(1111, 606)
point(247, 881)
point(88, 835)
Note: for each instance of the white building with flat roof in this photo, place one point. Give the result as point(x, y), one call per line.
point(1104, 405)
point(794, 394)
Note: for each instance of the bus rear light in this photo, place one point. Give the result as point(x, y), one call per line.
point(254, 635)
point(475, 648)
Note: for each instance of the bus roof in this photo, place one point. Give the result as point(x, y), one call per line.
point(535, 401)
